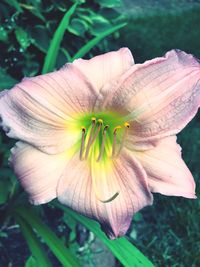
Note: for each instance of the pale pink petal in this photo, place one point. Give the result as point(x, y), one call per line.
point(159, 97)
point(104, 68)
point(3, 92)
point(38, 172)
point(43, 110)
point(166, 171)
point(124, 175)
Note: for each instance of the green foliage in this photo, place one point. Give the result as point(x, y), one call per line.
point(39, 36)
point(22, 38)
point(6, 80)
point(57, 247)
point(126, 253)
point(87, 47)
point(52, 53)
point(38, 257)
point(31, 262)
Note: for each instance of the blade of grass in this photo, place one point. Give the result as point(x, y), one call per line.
point(62, 253)
point(50, 59)
point(89, 45)
point(126, 252)
point(33, 243)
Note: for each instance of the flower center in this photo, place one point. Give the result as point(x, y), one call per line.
point(102, 136)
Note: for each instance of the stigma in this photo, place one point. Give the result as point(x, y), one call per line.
point(102, 140)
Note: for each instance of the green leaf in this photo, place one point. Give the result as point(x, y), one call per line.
point(22, 37)
point(66, 54)
point(109, 3)
point(53, 242)
point(100, 25)
point(3, 34)
point(34, 245)
point(6, 81)
point(50, 59)
point(89, 45)
point(15, 4)
point(40, 37)
point(126, 252)
point(78, 27)
point(34, 8)
point(5, 187)
point(31, 262)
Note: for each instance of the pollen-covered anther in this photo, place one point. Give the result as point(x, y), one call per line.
point(93, 134)
point(93, 119)
point(127, 125)
point(114, 153)
point(100, 121)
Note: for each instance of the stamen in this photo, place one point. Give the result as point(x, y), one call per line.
point(115, 140)
point(82, 143)
point(93, 136)
point(100, 121)
point(127, 126)
point(103, 143)
point(90, 137)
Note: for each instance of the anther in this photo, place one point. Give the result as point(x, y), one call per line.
point(100, 122)
point(93, 120)
point(93, 135)
point(103, 143)
point(127, 125)
point(82, 143)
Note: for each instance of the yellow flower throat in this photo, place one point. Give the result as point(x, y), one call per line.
point(102, 136)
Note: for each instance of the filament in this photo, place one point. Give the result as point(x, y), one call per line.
point(115, 140)
point(127, 126)
point(93, 133)
point(103, 143)
point(82, 143)
point(90, 137)
point(97, 131)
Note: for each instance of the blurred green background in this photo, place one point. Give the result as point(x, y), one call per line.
point(168, 233)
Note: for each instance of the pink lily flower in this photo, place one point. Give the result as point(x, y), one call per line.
point(100, 134)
